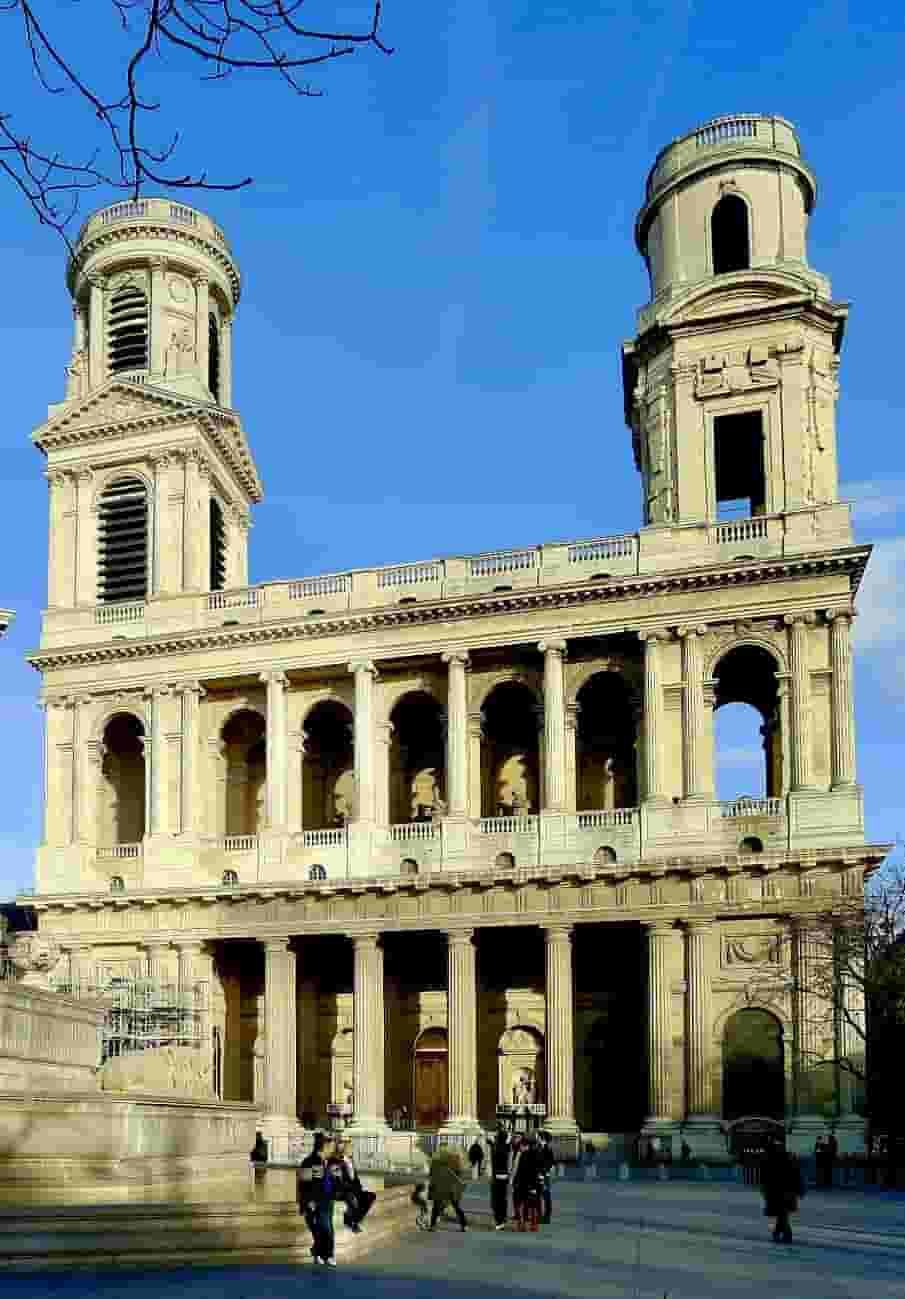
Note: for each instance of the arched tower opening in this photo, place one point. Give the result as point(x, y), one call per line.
point(416, 758)
point(245, 752)
point(606, 758)
point(213, 356)
point(328, 772)
point(730, 238)
point(510, 751)
point(122, 809)
point(217, 575)
point(127, 329)
point(747, 731)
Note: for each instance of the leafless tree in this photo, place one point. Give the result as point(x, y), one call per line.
point(130, 146)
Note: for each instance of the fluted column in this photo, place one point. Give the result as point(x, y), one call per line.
point(659, 1028)
point(97, 360)
point(158, 340)
point(554, 652)
point(475, 769)
point(226, 362)
point(60, 539)
point(560, 1029)
point(843, 708)
point(280, 1028)
point(295, 810)
point(383, 740)
point(156, 755)
point(699, 1028)
point(694, 715)
point(277, 749)
point(368, 1037)
point(572, 712)
point(190, 757)
point(194, 576)
point(457, 735)
point(157, 956)
point(364, 672)
point(653, 716)
point(86, 538)
point(462, 1020)
point(800, 699)
point(88, 757)
point(202, 310)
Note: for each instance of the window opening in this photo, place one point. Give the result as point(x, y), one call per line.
point(127, 330)
point(738, 444)
point(230, 877)
point(747, 733)
point(123, 541)
point(213, 356)
point(117, 884)
point(317, 873)
point(729, 236)
point(218, 547)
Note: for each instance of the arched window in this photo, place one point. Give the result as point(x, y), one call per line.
point(230, 877)
point(605, 856)
point(328, 772)
point(417, 758)
point(317, 873)
point(751, 844)
point(117, 884)
point(213, 356)
point(408, 866)
point(747, 734)
point(122, 541)
point(127, 330)
point(244, 742)
point(218, 547)
point(753, 1068)
point(121, 812)
point(729, 236)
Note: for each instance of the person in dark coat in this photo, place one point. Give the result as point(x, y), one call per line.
point(547, 1164)
point(476, 1158)
point(782, 1185)
point(500, 1160)
point(527, 1178)
point(317, 1190)
point(358, 1200)
point(447, 1184)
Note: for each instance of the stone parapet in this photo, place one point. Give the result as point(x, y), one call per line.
point(47, 1042)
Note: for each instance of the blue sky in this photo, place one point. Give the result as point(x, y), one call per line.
point(439, 271)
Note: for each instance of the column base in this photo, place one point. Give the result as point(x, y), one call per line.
point(803, 1130)
point(367, 1127)
point(277, 1130)
point(460, 1127)
point(704, 1134)
point(560, 1127)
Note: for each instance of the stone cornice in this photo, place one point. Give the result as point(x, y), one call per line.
point(148, 228)
point(850, 560)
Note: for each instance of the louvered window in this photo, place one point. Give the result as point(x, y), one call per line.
point(213, 356)
point(123, 541)
point(218, 547)
point(127, 330)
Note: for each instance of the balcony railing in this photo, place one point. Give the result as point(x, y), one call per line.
point(410, 574)
point(333, 838)
point(742, 807)
point(409, 830)
point(740, 530)
point(246, 598)
point(602, 551)
point(119, 852)
point(239, 842)
point(107, 613)
point(603, 820)
point(508, 561)
point(333, 584)
point(507, 825)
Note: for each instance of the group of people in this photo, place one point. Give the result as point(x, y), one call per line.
point(328, 1174)
point(520, 1169)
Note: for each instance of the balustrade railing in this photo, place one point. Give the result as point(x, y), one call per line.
point(119, 851)
point(740, 530)
point(503, 561)
point(507, 825)
point(333, 838)
point(332, 584)
point(107, 613)
point(239, 842)
point(410, 574)
point(601, 820)
point(742, 807)
point(725, 129)
point(249, 597)
point(604, 550)
point(414, 830)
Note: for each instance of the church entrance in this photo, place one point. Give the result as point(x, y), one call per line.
point(431, 1078)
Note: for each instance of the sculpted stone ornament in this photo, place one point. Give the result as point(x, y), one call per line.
point(34, 957)
point(182, 1070)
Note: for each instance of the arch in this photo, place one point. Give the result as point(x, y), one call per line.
point(121, 811)
point(117, 884)
point(530, 680)
point(127, 329)
point(606, 740)
point(521, 1066)
point(122, 539)
point(510, 759)
point(581, 673)
point(217, 557)
point(753, 1064)
point(230, 877)
point(213, 356)
point(417, 760)
point(730, 235)
point(328, 769)
point(605, 856)
point(430, 1067)
point(746, 674)
point(408, 866)
point(243, 736)
point(751, 843)
point(504, 861)
point(317, 872)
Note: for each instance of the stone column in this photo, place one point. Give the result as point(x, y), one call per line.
point(463, 1030)
point(277, 748)
point(157, 957)
point(653, 717)
point(700, 1116)
point(369, 1035)
point(382, 748)
point(694, 715)
point(554, 652)
point(560, 1030)
point(189, 801)
point(86, 539)
point(97, 343)
point(809, 1014)
point(659, 1028)
point(800, 699)
point(88, 755)
point(475, 736)
point(193, 578)
point(226, 362)
point(202, 311)
point(157, 818)
point(843, 708)
point(364, 672)
point(295, 812)
point(457, 735)
point(572, 712)
point(158, 340)
point(61, 538)
point(280, 1029)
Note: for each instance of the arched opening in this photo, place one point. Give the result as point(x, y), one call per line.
point(753, 1068)
point(431, 1083)
point(117, 884)
point(729, 235)
point(509, 752)
point(605, 856)
point(317, 873)
point(747, 731)
point(213, 356)
point(123, 807)
point(328, 771)
point(751, 844)
point(606, 763)
point(245, 748)
point(127, 329)
point(230, 877)
point(504, 861)
point(217, 574)
point(521, 1065)
point(408, 866)
point(416, 758)
point(122, 540)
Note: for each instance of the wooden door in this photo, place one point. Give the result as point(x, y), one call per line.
point(431, 1089)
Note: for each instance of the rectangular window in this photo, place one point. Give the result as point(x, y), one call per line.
point(738, 450)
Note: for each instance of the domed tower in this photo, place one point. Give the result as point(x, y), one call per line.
point(150, 471)
point(730, 382)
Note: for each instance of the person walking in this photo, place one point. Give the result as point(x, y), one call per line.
point(446, 1185)
point(782, 1185)
point(476, 1158)
point(527, 1179)
point(500, 1161)
point(318, 1181)
point(547, 1164)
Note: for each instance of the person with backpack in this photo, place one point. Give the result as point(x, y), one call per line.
point(318, 1184)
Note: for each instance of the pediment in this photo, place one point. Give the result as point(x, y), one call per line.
point(718, 298)
point(117, 403)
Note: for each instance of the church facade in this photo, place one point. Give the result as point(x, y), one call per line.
point(445, 836)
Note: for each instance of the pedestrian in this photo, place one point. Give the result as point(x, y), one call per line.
point(318, 1183)
point(358, 1200)
point(500, 1162)
point(446, 1185)
point(547, 1164)
point(527, 1179)
point(832, 1152)
point(782, 1186)
point(476, 1158)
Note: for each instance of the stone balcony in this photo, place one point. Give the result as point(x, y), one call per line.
point(651, 551)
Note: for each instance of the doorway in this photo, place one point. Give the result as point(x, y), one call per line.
point(431, 1078)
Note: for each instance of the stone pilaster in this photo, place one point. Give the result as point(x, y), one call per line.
point(295, 811)
point(572, 713)
point(369, 1035)
point(88, 755)
point(194, 577)
point(158, 342)
point(560, 1030)
point(86, 538)
point(457, 735)
point(702, 1125)
point(202, 310)
point(189, 821)
point(554, 652)
point(61, 539)
point(280, 1022)
point(157, 810)
point(157, 956)
point(475, 738)
point(364, 673)
point(383, 739)
point(653, 717)
point(226, 362)
point(277, 749)
point(97, 352)
point(800, 699)
point(462, 1020)
point(659, 1027)
point(808, 1014)
point(694, 717)
point(843, 708)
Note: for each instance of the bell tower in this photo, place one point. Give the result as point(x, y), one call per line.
point(150, 471)
point(730, 382)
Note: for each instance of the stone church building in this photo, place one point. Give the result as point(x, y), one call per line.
point(445, 836)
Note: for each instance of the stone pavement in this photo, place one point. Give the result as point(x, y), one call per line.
point(609, 1241)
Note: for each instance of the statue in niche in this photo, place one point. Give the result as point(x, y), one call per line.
point(181, 351)
point(75, 375)
point(259, 1053)
point(523, 1088)
point(609, 785)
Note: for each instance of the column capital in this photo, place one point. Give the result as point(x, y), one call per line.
point(460, 937)
point(659, 927)
point(799, 619)
point(840, 615)
point(699, 924)
point(365, 667)
point(557, 933)
point(191, 688)
point(275, 678)
point(369, 939)
point(654, 635)
point(456, 656)
point(691, 629)
point(280, 944)
point(557, 647)
point(153, 945)
point(188, 945)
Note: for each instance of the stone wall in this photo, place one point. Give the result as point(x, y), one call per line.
point(47, 1042)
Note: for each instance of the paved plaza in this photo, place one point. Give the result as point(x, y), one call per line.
point(610, 1241)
